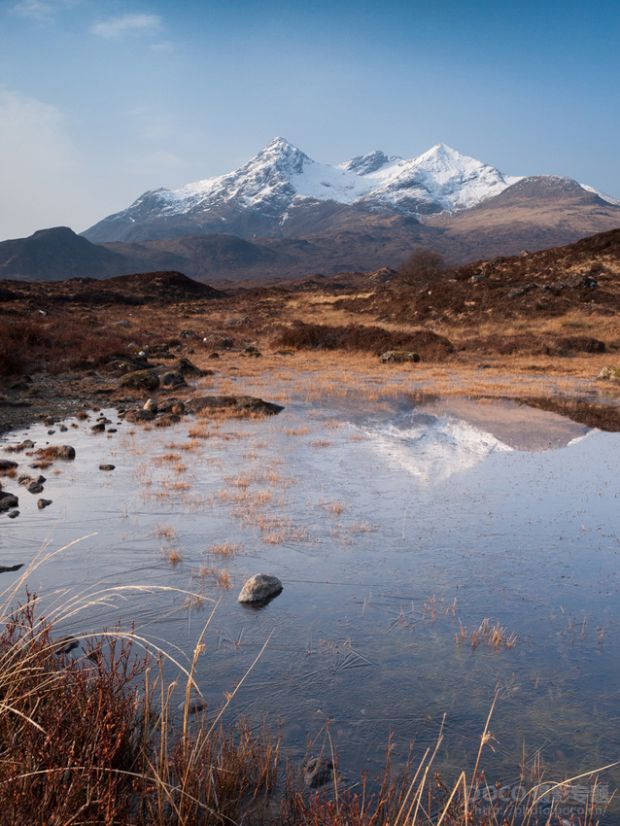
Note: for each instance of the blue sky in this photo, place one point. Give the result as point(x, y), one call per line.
point(101, 100)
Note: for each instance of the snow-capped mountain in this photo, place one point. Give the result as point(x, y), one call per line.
point(260, 195)
point(281, 191)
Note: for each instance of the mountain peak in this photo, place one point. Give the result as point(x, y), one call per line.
point(365, 164)
point(280, 155)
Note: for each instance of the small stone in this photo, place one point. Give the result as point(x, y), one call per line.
point(43, 503)
point(106, 467)
point(7, 501)
point(150, 405)
point(318, 771)
point(398, 357)
point(194, 705)
point(6, 465)
point(98, 427)
point(260, 588)
point(13, 514)
point(27, 444)
point(66, 452)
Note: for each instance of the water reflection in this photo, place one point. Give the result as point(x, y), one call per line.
point(392, 529)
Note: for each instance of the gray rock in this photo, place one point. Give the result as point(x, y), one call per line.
point(173, 378)
point(139, 415)
point(260, 588)
point(27, 481)
point(140, 380)
point(194, 705)
point(188, 368)
point(27, 444)
point(65, 452)
point(318, 771)
point(7, 501)
point(398, 357)
point(13, 514)
point(43, 503)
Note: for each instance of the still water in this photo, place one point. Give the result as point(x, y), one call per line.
point(396, 529)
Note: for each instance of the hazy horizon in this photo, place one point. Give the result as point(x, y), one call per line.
point(102, 101)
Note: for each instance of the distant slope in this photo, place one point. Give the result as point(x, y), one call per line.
point(57, 253)
point(532, 214)
point(133, 289)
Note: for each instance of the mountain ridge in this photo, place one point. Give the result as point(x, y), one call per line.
point(257, 197)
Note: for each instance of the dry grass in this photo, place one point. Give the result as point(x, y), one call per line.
point(336, 507)
point(493, 635)
point(221, 576)
point(173, 556)
point(166, 532)
point(55, 343)
point(225, 549)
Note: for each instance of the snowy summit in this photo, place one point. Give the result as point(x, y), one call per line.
point(281, 182)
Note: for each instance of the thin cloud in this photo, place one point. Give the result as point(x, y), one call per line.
point(35, 9)
point(115, 27)
point(164, 47)
point(42, 11)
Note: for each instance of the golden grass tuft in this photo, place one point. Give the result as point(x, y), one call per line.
point(173, 556)
point(225, 549)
